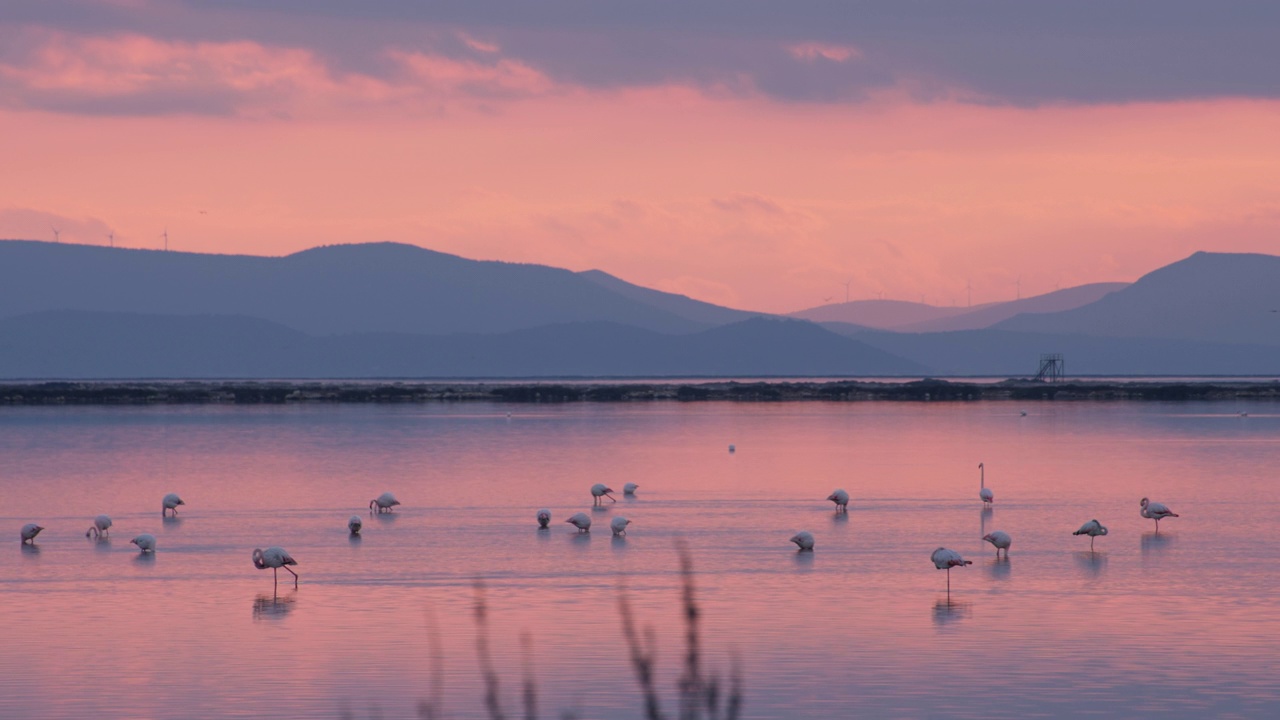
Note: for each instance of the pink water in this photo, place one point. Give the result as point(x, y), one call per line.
point(1182, 624)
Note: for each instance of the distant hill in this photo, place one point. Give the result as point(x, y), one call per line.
point(680, 305)
point(1208, 297)
point(377, 287)
point(77, 344)
point(989, 315)
point(903, 316)
point(881, 314)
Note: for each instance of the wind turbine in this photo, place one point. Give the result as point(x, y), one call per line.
point(968, 288)
point(165, 235)
point(846, 290)
point(1018, 284)
point(111, 237)
point(57, 234)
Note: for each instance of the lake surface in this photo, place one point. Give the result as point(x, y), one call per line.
point(1183, 624)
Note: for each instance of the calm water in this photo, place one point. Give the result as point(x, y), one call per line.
point(1183, 624)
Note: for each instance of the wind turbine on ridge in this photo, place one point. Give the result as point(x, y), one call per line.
point(57, 234)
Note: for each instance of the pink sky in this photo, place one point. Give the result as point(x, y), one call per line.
point(726, 194)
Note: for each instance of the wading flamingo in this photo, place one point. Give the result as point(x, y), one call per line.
point(944, 559)
point(275, 558)
point(1093, 529)
point(1156, 511)
point(101, 524)
point(383, 503)
point(600, 490)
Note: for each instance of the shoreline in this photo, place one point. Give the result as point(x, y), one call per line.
point(270, 392)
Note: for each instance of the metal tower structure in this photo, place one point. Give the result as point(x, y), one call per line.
point(1052, 368)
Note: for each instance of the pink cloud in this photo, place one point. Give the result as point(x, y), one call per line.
point(478, 45)
point(441, 74)
point(811, 51)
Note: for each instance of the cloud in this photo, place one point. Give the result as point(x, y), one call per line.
point(478, 45)
point(503, 78)
point(130, 74)
point(811, 51)
point(135, 74)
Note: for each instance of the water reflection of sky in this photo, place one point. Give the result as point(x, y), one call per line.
point(1179, 624)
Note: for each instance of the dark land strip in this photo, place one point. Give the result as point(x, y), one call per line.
point(283, 392)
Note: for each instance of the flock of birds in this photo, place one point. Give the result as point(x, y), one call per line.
point(273, 557)
point(946, 558)
point(277, 557)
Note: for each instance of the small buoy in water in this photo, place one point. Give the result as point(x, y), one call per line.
point(732, 449)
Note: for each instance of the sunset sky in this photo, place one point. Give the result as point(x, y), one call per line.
point(754, 154)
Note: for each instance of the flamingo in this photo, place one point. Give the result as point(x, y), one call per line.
point(944, 559)
point(600, 490)
point(630, 489)
point(100, 526)
point(1000, 539)
point(803, 540)
point(581, 520)
point(544, 518)
point(29, 533)
point(984, 492)
point(275, 558)
point(146, 542)
point(1093, 529)
point(170, 502)
point(733, 449)
point(841, 499)
point(354, 523)
point(383, 503)
point(1156, 511)
point(619, 525)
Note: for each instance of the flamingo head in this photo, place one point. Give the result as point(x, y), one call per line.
point(258, 561)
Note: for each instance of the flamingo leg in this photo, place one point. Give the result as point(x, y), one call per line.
point(295, 577)
point(948, 583)
point(275, 578)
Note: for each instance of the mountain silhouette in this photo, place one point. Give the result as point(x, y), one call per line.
point(376, 287)
point(79, 344)
point(1209, 297)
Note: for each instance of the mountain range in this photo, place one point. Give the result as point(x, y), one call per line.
point(393, 310)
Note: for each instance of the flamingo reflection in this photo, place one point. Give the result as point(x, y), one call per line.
point(272, 606)
point(948, 611)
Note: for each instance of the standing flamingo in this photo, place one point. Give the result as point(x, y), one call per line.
point(275, 558)
point(984, 492)
point(1093, 529)
point(170, 502)
point(944, 559)
point(619, 525)
point(581, 520)
point(354, 523)
point(100, 526)
point(146, 542)
point(1000, 539)
point(600, 490)
point(841, 499)
point(29, 533)
point(803, 540)
point(1156, 511)
point(630, 489)
point(544, 518)
point(384, 503)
